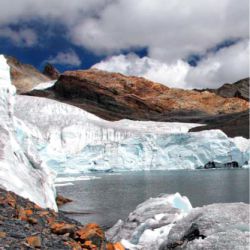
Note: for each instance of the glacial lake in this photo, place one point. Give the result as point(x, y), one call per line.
point(110, 197)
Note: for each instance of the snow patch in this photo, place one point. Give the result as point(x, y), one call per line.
point(44, 85)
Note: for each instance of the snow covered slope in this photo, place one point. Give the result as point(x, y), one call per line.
point(71, 140)
point(21, 169)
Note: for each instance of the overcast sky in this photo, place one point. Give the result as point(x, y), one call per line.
point(185, 44)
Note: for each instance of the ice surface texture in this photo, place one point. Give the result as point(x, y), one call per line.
point(221, 226)
point(148, 226)
point(169, 222)
point(21, 169)
point(72, 140)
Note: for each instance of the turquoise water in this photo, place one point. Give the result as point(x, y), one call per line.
point(114, 196)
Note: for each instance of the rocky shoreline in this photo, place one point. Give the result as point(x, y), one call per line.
point(24, 225)
point(165, 222)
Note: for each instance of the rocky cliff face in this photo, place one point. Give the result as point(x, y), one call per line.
point(51, 72)
point(114, 96)
point(231, 124)
point(238, 89)
point(24, 76)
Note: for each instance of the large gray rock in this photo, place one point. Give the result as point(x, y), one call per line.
point(217, 227)
point(168, 222)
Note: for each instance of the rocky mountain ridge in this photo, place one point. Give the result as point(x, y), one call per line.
point(113, 96)
point(238, 89)
point(51, 72)
point(24, 76)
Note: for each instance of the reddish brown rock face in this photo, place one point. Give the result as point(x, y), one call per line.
point(51, 72)
point(115, 96)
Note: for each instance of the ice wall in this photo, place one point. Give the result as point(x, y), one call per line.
point(72, 140)
point(21, 169)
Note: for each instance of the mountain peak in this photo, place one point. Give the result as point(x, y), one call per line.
point(50, 71)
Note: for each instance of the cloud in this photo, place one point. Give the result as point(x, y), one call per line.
point(170, 29)
point(63, 11)
point(227, 65)
point(22, 37)
point(69, 58)
point(168, 74)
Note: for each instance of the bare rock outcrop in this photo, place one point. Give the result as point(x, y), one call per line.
point(114, 96)
point(51, 72)
point(238, 89)
point(24, 76)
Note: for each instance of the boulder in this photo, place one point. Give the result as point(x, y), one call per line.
point(34, 241)
point(216, 226)
point(168, 222)
point(60, 200)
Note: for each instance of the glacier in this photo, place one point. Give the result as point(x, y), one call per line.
point(40, 137)
point(71, 140)
point(21, 169)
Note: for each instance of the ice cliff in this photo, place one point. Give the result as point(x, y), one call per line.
point(21, 169)
point(71, 140)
